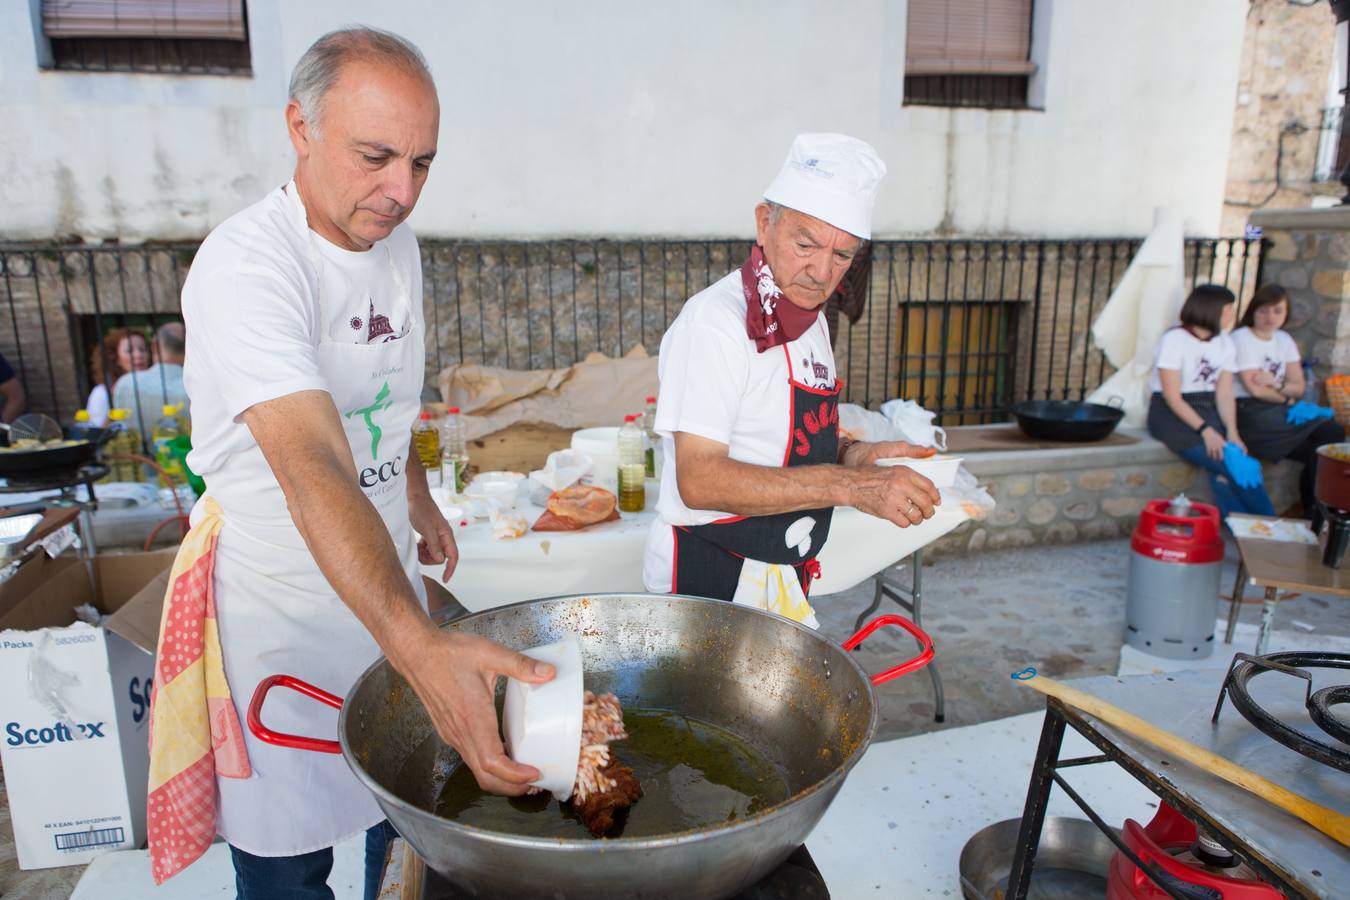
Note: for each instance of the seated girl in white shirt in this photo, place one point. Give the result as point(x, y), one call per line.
point(1269, 385)
point(1193, 410)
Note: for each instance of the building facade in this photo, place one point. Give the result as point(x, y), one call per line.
point(607, 118)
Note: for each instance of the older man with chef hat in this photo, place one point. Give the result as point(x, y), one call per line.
point(748, 406)
point(305, 369)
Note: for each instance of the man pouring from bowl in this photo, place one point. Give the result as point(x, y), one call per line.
point(748, 405)
point(305, 367)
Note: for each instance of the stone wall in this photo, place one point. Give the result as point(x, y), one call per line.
point(1083, 494)
point(1308, 252)
point(1287, 55)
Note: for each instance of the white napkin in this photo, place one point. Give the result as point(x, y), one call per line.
point(563, 468)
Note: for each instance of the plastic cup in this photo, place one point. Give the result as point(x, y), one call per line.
point(542, 722)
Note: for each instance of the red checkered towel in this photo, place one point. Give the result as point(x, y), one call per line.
point(195, 734)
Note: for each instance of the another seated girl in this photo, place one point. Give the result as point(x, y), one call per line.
point(1269, 389)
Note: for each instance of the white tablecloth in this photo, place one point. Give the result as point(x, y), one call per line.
point(608, 557)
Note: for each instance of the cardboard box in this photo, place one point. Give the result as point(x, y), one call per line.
point(74, 712)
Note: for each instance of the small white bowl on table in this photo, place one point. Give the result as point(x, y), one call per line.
point(502, 488)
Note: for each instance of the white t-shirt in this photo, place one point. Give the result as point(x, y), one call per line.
point(252, 312)
point(716, 385)
point(1273, 356)
point(1199, 362)
point(99, 405)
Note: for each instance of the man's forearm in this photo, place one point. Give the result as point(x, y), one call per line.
point(745, 489)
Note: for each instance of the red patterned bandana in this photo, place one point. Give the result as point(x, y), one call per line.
point(771, 318)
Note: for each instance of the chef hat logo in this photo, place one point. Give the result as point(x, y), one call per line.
point(811, 167)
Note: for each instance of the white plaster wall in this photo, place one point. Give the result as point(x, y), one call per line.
point(614, 118)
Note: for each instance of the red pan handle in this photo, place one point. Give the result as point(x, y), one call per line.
point(925, 655)
point(295, 741)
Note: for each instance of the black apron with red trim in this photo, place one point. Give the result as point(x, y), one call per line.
point(708, 558)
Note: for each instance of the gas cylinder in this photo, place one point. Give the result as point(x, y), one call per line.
point(1172, 601)
point(1191, 863)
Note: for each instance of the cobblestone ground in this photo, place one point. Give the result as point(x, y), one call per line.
point(1061, 609)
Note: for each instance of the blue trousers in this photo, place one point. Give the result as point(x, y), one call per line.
point(305, 877)
point(1229, 497)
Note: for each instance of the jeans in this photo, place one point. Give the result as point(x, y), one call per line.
point(305, 877)
point(1229, 497)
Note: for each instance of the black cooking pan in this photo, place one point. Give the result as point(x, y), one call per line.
point(1068, 420)
point(49, 460)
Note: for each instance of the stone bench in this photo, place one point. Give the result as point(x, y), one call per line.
point(1087, 493)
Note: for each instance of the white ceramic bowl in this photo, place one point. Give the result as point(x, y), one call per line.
point(499, 477)
point(501, 487)
point(941, 470)
point(542, 722)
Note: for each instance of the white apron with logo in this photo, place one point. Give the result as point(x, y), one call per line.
point(278, 614)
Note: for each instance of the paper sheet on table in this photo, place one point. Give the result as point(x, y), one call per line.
point(1289, 531)
point(1146, 303)
point(898, 420)
point(598, 390)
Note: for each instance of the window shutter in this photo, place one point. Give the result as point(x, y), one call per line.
point(212, 19)
point(969, 37)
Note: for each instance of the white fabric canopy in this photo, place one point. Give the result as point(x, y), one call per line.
point(608, 557)
point(1146, 303)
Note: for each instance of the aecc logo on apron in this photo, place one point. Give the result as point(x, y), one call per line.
point(371, 476)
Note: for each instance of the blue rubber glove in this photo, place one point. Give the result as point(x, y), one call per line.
point(1302, 412)
point(1244, 470)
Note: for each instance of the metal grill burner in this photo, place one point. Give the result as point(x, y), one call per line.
point(1319, 703)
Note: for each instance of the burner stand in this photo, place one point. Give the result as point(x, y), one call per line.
point(1244, 668)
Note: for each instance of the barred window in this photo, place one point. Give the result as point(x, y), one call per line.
point(968, 53)
point(164, 36)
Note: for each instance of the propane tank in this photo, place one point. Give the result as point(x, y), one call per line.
point(1181, 505)
point(1190, 862)
point(1172, 601)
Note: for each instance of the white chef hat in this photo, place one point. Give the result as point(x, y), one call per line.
point(832, 177)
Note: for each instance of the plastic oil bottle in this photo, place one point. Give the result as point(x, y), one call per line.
point(427, 443)
point(632, 469)
point(454, 451)
point(649, 430)
point(184, 421)
point(126, 440)
point(166, 429)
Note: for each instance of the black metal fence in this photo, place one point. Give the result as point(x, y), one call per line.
point(965, 327)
